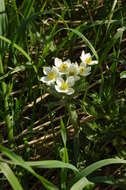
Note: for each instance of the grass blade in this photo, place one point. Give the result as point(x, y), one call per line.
point(85, 172)
point(6, 170)
point(111, 14)
point(39, 164)
point(51, 164)
point(19, 161)
point(88, 43)
point(81, 184)
point(16, 69)
point(6, 106)
point(108, 180)
point(3, 22)
point(63, 132)
point(16, 46)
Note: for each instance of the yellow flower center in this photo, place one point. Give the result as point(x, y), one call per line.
point(82, 70)
point(64, 86)
point(63, 67)
point(88, 60)
point(71, 73)
point(51, 75)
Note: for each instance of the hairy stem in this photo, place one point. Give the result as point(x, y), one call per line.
point(75, 122)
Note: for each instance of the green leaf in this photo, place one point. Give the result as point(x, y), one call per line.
point(19, 161)
point(28, 7)
point(108, 180)
point(63, 132)
point(3, 21)
point(88, 43)
point(6, 170)
point(17, 69)
point(85, 172)
point(52, 164)
point(64, 171)
point(17, 47)
point(81, 184)
point(118, 35)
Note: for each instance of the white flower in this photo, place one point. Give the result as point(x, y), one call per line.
point(83, 70)
point(65, 86)
point(62, 66)
point(86, 59)
point(52, 74)
point(73, 71)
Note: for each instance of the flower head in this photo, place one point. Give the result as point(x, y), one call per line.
point(73, 71)
point(62, 66)
point(63, 86)
point(64, 74)
point(83, 70)
point(51, 75)
point(87, 59)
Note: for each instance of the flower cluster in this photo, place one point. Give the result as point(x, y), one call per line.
point(64, 74)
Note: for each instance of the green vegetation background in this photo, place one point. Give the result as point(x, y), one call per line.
point(32, 34)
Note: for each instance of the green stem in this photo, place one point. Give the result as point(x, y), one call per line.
point(6, 107)
point(75, 122)
point(52, 126)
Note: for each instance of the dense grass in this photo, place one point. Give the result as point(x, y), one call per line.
point(38, 125)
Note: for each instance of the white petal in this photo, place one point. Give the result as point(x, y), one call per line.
point(50, 82)
point(85, 56)
point(83, 64)
point(58, 88)
point(123, 76)
point(82, 55)
point(70, 81)
point(46, 70)
point(55, 70)
point(57, 62)
point(76, 65)
point(77, 78)
point(87, 69)
point(59, 81)
point(70, 91)
point(68, 62)
point(46, 80)
point(85, 74)
point(94, 62)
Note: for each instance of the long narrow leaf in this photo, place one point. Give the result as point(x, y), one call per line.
point(108, 180)
point(3, 22)
point(52, 164)
point(81, 184)
point(85, 172)
point(27, 6)
point(40, 164)
point(63, 132)
point(6, 170)
point(88, 43)
point(19, 161)
point(16, 46)
point(15, 70)
point(118, 35)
